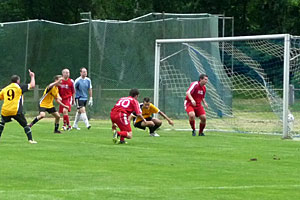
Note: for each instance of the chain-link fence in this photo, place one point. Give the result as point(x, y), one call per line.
point(121, 52)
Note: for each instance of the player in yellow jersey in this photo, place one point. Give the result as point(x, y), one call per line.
point(46, 103)
point(13, 104)
point(148, 109)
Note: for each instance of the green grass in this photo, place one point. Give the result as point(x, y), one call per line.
point(87, 165)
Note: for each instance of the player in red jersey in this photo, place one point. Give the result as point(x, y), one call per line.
point(121, 113)
point(67, 93)
point(193, 103)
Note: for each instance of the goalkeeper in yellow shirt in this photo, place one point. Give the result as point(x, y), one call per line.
point(148, 109)
point(46, 103)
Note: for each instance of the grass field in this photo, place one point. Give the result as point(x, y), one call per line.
point(87, 165)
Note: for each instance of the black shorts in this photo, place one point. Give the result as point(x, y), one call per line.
point(139, 124)
point(80, 103)
point(20, 118)
point(49, 110)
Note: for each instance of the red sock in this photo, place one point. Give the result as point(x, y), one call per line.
point(66, 120)
point(192, 123)
point(202, 126)
point(122, 138)
point(123, 134)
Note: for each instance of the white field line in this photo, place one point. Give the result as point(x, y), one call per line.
point(245, 187)
point(223, 131)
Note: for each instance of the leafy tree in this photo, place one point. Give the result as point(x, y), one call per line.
point(251, 16)
point(11, 10)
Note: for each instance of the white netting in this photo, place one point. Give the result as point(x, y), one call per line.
point(245, 87)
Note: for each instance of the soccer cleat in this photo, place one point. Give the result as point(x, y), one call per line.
point(57, 131)
point(89, 127)
point(194, 133)
point(115, 137)
point(122, 142)
point(76, 127)
point(69, 128)
point(201, 134)
point(154, 134)
point(32, 142)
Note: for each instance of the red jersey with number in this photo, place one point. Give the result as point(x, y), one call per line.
point(66, 88)
point(197, 92)
point(127, 105)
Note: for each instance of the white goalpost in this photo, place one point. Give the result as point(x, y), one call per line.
point(244, 72)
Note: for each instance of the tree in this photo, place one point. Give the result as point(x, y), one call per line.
point(11, 10)
point(251, 16)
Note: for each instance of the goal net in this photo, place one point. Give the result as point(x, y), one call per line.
point(252, 81)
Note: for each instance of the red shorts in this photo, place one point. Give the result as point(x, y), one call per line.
point(121, 119)
point(199, 110)
point(67, 102)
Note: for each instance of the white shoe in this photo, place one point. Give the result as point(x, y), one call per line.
point(154, 134)
point(32, 142)
point(76, 127)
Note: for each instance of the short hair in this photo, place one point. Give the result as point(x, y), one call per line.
point(147, 99)
point(57, 77)
point(134, 92)
point(82, 69)
point(62, 71)
point(202, 76)
point(14, 78)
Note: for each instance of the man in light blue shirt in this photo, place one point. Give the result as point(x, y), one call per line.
point(83, 88)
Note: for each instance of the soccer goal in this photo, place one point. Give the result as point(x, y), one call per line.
point(253, 81)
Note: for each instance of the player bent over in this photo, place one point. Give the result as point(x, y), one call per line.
point(193, 103)
point(67, 93)
point(148, 109)
point(13, 104)
point(46, 103)
point(120, 113)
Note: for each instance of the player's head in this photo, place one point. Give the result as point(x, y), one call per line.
point(57, 77)
point(15, 79)
point(134, 93)
point(83, 72)
point(146, 102)
point(203, 78)
point(65, 73)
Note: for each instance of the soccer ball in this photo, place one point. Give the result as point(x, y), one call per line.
point(291, 117)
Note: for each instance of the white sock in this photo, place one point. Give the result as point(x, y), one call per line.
point(85, 119)
point(77, 118)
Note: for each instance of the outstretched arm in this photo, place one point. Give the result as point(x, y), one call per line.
point(141, 116)
point(55, 83)
point(166, 117)
point(32, 79)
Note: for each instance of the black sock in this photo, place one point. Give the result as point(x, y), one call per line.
point(34, 121)
point(56, 127)
point(28, 132)
point(152, 129)
point(1, 128)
